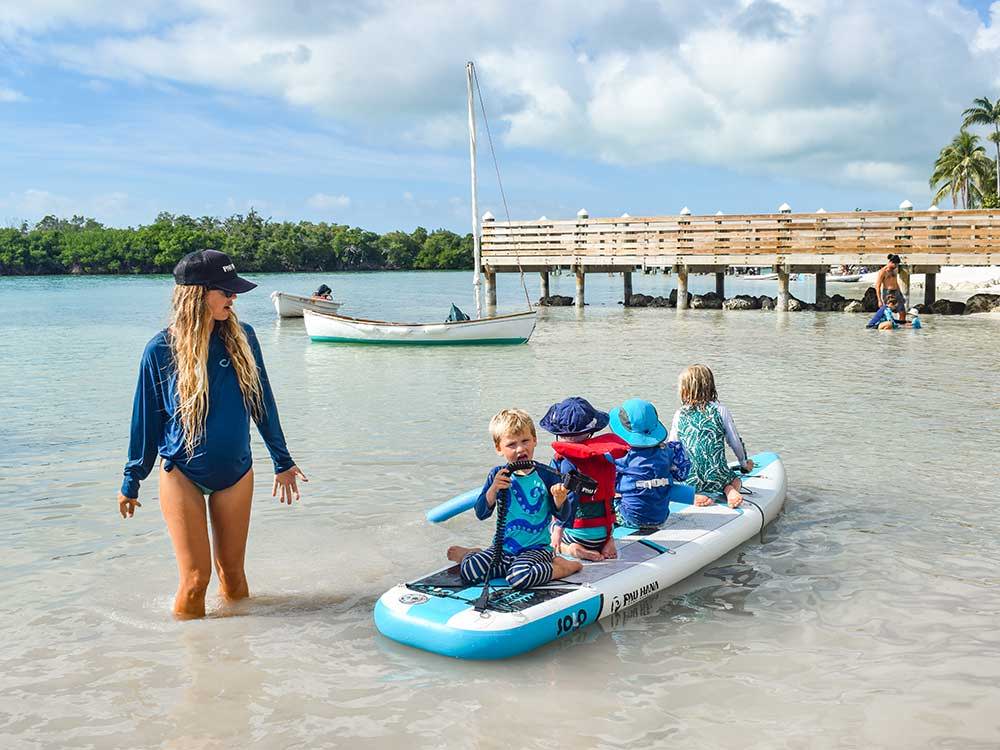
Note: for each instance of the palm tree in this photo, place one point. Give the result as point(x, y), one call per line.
point(960, 170)
point(984, 112)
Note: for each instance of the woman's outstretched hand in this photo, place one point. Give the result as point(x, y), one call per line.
point(287, 481)
point(127, 505)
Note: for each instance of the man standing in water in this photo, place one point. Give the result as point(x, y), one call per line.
point(887, 281)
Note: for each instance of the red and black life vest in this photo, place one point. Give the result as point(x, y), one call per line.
point(589, 458)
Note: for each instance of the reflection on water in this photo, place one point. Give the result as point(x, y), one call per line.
point(867, 619)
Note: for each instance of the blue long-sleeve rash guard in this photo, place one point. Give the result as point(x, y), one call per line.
point(514, 539)
point(223, 455)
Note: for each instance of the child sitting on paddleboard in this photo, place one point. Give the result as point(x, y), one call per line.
point(532, 500)
point(574, 422)
point(645, 473)
point(704, 426)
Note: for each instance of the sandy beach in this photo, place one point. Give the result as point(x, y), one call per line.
point(966, 279)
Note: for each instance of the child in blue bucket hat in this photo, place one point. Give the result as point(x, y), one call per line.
point(651, 466)
point(575, 422)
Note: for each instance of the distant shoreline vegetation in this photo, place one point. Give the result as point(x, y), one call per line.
point(84, 246)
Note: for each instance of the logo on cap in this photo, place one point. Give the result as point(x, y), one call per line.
point(230, 267)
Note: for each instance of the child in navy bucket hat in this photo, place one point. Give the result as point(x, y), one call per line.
point(574, 422)
point(651, 465)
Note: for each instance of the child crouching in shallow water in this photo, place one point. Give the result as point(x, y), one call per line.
point(527, 559)
point(704, 426)
point(574, 422)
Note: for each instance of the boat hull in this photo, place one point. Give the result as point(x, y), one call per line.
point(293, 305)
point(504, 329)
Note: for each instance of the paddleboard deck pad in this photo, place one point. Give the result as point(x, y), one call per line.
point(436, 613)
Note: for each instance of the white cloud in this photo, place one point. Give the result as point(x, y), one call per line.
point(324, 202)
point(987, 38)
point(34, 203)
point(802, 88)
point(10, 95)
point(97, 86)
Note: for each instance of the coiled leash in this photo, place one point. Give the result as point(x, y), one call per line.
point(574, 481)
point(744, 490)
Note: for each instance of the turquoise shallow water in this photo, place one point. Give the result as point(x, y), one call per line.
point(868, 619)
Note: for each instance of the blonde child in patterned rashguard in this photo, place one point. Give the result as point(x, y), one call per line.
point(704, 426)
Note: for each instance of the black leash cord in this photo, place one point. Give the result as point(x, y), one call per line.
point(763, 523)
point(503, 501)
point(483, 602)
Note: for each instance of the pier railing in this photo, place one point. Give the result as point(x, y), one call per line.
point(795, 241)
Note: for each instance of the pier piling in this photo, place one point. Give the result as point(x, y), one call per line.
point(543, 283)
point(491, 288)
point(581, 277)
point(904, 282)
point(720, 283)
point(820, 286)
point(930, 288)
point(682, 287)
point(782, 301)
point(627, 285)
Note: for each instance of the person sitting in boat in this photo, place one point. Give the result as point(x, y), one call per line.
point(324, 292)
point(704, 426)
point(645, 473)
point(574, 422)
point(527, 557)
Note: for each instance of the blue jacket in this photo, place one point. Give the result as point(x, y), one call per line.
point(223, 455)
point(644, 506)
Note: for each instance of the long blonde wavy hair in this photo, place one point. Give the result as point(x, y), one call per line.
point(191, 326)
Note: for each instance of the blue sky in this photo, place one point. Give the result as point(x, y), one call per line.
point(354, 112)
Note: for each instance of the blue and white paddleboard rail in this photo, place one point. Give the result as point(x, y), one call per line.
point(436, 612)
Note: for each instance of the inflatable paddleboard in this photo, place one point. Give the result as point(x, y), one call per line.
point(436, 612)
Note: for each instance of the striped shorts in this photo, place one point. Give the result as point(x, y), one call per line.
point(596, 544)
point(532, 567)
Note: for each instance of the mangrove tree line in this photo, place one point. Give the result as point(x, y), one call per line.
point(82, 245)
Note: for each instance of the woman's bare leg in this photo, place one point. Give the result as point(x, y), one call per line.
point(230, 513)
point(183, 508)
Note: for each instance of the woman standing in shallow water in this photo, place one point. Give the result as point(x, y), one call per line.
point(200, 382)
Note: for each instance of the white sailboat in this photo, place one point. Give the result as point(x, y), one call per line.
point(291, 305)
point(499, 329)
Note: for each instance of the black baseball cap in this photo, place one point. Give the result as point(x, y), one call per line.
point(212, 269)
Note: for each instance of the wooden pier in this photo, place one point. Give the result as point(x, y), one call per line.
point(788, 242)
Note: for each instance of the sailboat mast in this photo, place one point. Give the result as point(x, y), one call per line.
point(477, 258)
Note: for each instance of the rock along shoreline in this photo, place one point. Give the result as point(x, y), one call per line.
point(977, 303)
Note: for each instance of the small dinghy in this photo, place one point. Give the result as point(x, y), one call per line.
point(438, 612)
point(293, 305)
point(501, 329)
point(849, 278)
